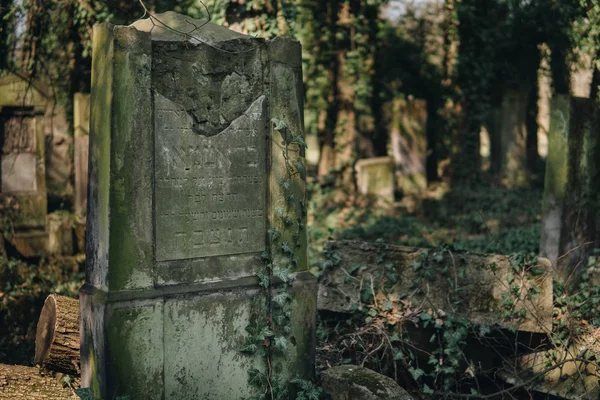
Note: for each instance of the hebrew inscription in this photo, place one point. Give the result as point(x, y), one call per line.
point(209, 190)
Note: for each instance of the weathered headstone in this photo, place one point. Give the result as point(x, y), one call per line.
point(375, 176)
point(513, 137)
point(555, 177)
point(571, 199)
point(22, 171)
point(409, 143)
point(81, 128)
point(190, 185)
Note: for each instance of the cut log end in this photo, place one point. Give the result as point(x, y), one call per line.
point(44, 335)
point(57, 335)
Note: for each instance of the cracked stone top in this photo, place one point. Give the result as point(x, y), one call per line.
point(172, 26)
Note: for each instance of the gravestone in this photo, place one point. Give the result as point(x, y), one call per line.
point(375, 176)
point(189, 182)
point(555, 177)
point(409, 143)
point(513, 137)
point(571, 199)
point(81, 128)
point(22, 169)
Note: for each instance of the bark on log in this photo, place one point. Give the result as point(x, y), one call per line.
point(27, 383)
point(57, 335)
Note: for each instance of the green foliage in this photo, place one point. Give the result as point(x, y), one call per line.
point(85, 393)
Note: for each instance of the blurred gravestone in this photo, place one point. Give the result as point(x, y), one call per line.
point(81, 125)
point(22, 171)
point(571, 199)
point(186, 175)
point(375, 176)
point(409, 143)
point(513, 137)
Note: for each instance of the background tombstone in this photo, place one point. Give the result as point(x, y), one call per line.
point(375, 176)
point(571, 199)
point(22, 171)
point(409, 143)
point(186, 175)
point(81, 128)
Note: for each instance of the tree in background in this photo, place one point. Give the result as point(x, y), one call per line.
point(340, 40)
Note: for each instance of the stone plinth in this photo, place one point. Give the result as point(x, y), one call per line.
point(187, 175)
point(375, 176)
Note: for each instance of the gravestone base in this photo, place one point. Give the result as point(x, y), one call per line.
point(184, 342)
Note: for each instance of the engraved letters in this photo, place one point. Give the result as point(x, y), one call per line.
point(210, 190)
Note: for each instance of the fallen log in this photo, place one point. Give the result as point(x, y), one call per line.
point(57, 335)
point(29, 383)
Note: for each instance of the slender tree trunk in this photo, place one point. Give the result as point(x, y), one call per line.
point(328, 118)
point(432, 129)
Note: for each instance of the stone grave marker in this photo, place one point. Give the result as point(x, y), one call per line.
point(409, 143)
point(22, 168)
point(192, 191)
point(571, 201)
point(81, 125)
point(375, 176)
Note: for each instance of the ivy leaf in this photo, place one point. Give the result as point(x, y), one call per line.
point(281, 298)
point(263, 280)
point(256, 377)
point(274, 234)
point(286, 248)
point(416, 373)
point(85, 393)
point(284, 184)
point(288, 221)
point(427, 390)
point(265, 333)
point(250, 348)
point(387, 306)
point(301, 169)
point(280, 212)
point(282, 273)
point(281, 344)
point(280, 319)
point(280, 124)
point(266, 255)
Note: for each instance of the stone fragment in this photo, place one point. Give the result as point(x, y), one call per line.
point(351, 382)
point(485, 288)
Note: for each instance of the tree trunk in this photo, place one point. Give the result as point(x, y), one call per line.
point(57, 335)
point(18, 382)
point(328, 117)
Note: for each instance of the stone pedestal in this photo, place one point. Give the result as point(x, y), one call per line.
point(192, 192)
